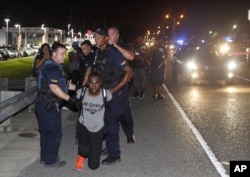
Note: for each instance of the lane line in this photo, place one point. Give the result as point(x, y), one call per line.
point(243, 78)
point(220, 169)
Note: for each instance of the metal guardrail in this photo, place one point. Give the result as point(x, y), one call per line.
point(16, 103)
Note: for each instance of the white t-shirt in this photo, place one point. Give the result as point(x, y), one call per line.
point(92, 114)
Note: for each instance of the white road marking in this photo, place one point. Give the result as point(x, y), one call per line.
point(243, 78)
point(220, 169)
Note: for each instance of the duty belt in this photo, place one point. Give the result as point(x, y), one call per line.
point(50, 100)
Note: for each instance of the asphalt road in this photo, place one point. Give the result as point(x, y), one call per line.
point(188, 134)
point(165, 147)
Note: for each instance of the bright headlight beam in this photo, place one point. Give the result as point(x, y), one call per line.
point(231, 65)
point(191, 65)
point(224, 48)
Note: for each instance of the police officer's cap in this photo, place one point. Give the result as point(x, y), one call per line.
point(75, 44)
point(102, 31)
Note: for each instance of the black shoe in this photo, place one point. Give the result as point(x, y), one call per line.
point(141, 97)
point(104, 152)
point(131, 139)
point(43, 162)
point(135, 95)
point(57, 164)
point(160, 97)
point(155, 95)
point(111, 160)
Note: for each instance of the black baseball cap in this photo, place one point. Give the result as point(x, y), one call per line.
point(102, 31)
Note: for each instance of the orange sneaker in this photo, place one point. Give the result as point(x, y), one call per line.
point(79, 164)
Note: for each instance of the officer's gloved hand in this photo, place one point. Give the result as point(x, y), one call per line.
point(76, 102)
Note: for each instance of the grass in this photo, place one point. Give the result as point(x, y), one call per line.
point(21, 67)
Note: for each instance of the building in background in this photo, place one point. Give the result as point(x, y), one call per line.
point(31, 36)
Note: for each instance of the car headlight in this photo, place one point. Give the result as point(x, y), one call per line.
point(224, 49)
point(191, 65)
point(231, 65)
point(171, 47)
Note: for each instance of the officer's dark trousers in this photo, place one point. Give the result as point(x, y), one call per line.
point(139, 81)
point(50, 131)
point(89, 144)
point(115, 110)
point(126, 119)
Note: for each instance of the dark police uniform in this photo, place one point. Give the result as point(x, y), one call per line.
point(126, 119)
point(86, 62)
point(139, 69)
point(110, 64)
point(157, 65)
point(47, 106)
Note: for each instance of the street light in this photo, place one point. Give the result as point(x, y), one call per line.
point(7, 21)
point(80, 34)
point(42, 27)
point(72, 35)
point(234, 30)
point(68, 29)
point(18, 39)
point(60, 31)
point(174, 23)
point(18, 26)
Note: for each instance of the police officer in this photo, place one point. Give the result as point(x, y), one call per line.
point(52, 88)
point(126, 119)
point(86, 62)
point(139, 67)
point(116, 73)
point(74, 63)
point(158, 60)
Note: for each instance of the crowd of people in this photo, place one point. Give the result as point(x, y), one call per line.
point(99, 77)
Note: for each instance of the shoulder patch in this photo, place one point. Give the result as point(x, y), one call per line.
point(123, 63)
point(54, 81)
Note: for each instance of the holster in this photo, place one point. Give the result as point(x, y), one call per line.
point(51, 101)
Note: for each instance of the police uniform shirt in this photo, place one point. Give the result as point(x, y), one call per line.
point(158, 56)
point(125, 46)
point(86, 62)
point(139, 49)
point(110, 63)
point(115, 58)
point(54, 74)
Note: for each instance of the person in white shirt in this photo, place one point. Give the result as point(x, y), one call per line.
point(90, 126)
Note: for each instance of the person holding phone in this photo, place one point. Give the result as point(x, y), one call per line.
point(44, 54)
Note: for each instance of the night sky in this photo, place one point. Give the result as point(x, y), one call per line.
point(132, 16)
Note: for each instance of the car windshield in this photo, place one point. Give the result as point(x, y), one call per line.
point(199, 53)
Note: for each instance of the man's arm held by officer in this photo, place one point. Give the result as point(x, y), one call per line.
point(61, 94)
